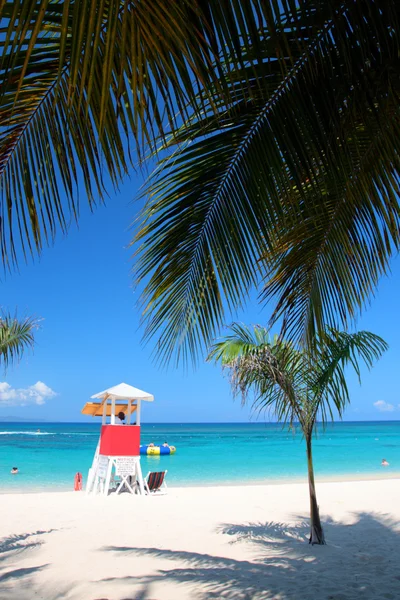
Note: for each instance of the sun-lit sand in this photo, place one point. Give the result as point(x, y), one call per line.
point(220, 542)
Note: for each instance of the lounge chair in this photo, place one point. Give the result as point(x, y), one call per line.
point(154, 483)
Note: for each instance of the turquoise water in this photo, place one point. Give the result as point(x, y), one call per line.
point(206, 453)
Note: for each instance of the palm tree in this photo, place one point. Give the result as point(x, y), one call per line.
point(15, 337)
point(294, 185)
point(299, 386)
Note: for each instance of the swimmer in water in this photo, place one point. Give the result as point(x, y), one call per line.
point(14, 471)
point(384, 462)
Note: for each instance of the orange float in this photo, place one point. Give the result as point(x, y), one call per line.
point(78, 482)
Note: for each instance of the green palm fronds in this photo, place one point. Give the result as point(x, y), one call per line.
point(85, 85)
point(297, 384)
point(15, 337)
point(294, 185)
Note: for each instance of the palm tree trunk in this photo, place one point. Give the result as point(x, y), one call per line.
point(316, 534)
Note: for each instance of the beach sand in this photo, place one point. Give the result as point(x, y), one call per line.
point(212, 542)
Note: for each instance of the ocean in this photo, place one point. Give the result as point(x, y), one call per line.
point(49, 454)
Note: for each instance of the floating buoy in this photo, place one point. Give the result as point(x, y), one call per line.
point(157, 450)
point(78, 482)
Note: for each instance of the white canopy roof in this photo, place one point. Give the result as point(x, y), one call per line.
point(123, 391)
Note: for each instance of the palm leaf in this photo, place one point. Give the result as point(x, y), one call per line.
point(269, 368)
point(84, 83)
point(326, 265)
point(296, 182)
point(336, 351)
point(15, 337)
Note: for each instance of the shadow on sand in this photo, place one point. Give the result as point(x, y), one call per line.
point(142, 594)
point(12, 576)
point(16, 581)
point(18, 573)
point(265, 561)
point(285, 565)
point(15, 544)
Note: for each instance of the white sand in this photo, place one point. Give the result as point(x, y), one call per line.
point(198, 543)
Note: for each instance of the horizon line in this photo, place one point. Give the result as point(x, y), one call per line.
point(338, 421)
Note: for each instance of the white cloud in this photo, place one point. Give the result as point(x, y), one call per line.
point(383, 406)
point(34, 394)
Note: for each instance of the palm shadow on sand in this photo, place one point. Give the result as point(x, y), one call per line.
point(14, 576)
point(285, 565)
point(20, 542)
point(142, 594)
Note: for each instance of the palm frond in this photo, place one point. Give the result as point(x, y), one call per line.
point(336, 351)
point(242, 341)
point(15, 337)
point(84, 83)
point(325, 266)
point(295, 383)
point(268, 368)
point(296, 182)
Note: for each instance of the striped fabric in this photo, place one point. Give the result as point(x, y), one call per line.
point(155, 480)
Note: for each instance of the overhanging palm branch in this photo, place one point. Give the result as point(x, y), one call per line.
point(83, 83)
point(296, 183)
point(15, 337)
point(327, 264)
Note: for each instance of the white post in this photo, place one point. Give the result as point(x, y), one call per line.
point(108, 476)
point(92, 474)
point(139, 476)
point(129, 410)
point(103, 420)
point(113, 411)
point(138, 404)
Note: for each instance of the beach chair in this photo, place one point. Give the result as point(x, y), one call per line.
point(154, 483)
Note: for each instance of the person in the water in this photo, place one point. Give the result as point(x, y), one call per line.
point(14, 470)
point(384, 462)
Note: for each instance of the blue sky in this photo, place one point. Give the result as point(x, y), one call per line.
point(90, 339)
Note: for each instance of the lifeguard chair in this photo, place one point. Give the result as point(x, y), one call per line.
point(116, 462)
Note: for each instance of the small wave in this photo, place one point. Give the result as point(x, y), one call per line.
point(72, 433)
point(25, 433)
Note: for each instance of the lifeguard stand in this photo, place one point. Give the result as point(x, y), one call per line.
point(117, 457)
